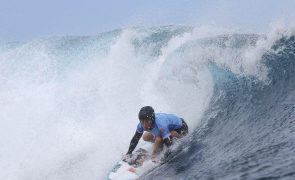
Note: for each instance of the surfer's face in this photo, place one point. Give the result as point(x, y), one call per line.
point(148, 124)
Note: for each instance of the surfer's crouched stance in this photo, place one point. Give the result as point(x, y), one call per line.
point(160, 128)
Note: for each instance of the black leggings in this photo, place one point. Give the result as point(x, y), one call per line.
point(183, 130)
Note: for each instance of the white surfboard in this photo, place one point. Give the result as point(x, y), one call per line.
point(138, 164)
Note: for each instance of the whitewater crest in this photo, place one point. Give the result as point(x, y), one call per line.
point(69, 104)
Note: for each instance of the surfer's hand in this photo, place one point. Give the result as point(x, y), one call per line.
point(126, 156)
point(155, 160)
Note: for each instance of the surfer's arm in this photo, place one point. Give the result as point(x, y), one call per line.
point(157, 146)
point(134, 142)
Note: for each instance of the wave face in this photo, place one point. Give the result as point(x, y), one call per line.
point(248, 130)
point(69, 104)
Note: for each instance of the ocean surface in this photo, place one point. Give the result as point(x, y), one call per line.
point(69, 105)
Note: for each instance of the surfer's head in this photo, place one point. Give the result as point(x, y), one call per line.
point(146, 117)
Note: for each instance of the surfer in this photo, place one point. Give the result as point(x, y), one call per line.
point(159, 128)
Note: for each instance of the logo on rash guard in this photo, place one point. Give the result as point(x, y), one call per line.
point(162, 130)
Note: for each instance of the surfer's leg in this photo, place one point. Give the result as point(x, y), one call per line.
point(181, 132)
point(147, 136)
point(175, 134)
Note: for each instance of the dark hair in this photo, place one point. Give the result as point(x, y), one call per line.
point(146, 113)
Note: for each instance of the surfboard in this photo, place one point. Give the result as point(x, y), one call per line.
point(135, 166)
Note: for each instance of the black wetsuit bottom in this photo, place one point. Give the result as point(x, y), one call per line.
point(184, 128)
